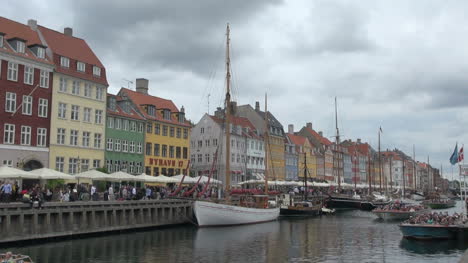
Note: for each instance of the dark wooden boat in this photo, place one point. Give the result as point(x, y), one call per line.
point(303, 208)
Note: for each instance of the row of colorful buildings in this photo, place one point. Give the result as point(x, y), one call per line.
point(57, 113)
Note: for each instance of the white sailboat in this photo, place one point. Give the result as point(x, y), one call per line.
point(251, 208)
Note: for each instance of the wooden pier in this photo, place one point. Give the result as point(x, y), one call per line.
point(18, 222)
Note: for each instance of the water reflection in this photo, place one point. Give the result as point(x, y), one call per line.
point(427, 247)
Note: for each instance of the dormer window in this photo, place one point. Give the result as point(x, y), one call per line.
point(151, 110)
point(1, 40)
point(64, 62)
point(40, 52)
point(181, 117)
point(80, 66)
point(96, 71)
point(167, 114)
point(20, 46)
point(112, 103)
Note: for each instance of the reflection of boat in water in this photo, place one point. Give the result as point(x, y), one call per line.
point(424, 247)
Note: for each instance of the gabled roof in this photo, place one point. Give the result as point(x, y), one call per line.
point(297, 139)
point(120, 112)
point(318, 137)
point(12, 30)
point(272, 121)
point(140, 99)
point(240, 121)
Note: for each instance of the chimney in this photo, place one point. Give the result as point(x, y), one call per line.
point(32, 24)
point(68, 31)
point(309, 125)
point(291, 129)
point(182, 109)
point(142, 86)
point(320, 133)
point(359, 141)
point(257, 106)
point(233, 108)
point(219, 113)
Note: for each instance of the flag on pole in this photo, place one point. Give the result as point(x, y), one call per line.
point(460, 155)
point(454, 157)
point(380, 128)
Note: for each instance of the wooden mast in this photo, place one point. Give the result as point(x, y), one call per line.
point(267, 146)
point(305, 174)
point(337, 142)
point(227, 126)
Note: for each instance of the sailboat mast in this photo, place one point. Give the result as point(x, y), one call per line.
point(414, 168)
point(337, 142)
point(267, 146)
point(380, 163)
point(227, 127)
point(305, 175)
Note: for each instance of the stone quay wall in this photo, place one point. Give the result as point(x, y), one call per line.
point(18, 222)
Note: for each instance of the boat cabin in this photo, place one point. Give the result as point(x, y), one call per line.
point(254, 201)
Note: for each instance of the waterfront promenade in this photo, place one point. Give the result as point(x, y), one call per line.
point(18, 222)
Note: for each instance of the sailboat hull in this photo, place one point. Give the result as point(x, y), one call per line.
point(215, 214)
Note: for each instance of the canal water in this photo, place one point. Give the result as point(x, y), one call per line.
point(348, 236)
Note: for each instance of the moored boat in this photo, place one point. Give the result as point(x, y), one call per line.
point(399, 211)
point(439, 204)
point(424, 231)
point(303, 208)
point(12, 258)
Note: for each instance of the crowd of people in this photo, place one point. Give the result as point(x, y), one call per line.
point(398, 206)
point(436, 219)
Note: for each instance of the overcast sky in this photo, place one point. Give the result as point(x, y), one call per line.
point(401, 65)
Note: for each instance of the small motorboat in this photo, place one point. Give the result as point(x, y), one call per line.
point(327, 211)
point(399, 211)
point(434, 226)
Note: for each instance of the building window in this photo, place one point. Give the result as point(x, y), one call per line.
point(64, 62)
point(140, 127)
point(87, 115)
point(156, 149)
point(63, 84)
point(40, 52)
point(116, 145)
point(110, 144)
point(185, 133)
point(59, 163)
point(28, 75)
point(44, 79)
point(167, 114)
point(132, 147)
point(25, 135)
point(185, 152)
point(200, 143)
point(149, 128)
point(110, 122)
point(109, 165)
point(178, 153)
point(98, 116)
point(171, 132)
point(87, 90)
point(62, 112)
point(74, 137)
point(124, 146)
point(80, 66)
point(202, 130)
point(157, 129)
point(75, 111)
point(99, 93)
point(151, 110)
point(133, 126)
point(148, 148)
point(171, 151)
point(10, 102)
point(9, 134)
point(97, 140)
point(200, 158)
point(20, 46)
point(72, 165)
point(86, 137)
point(139, 147)
point(207, 143)
point(12, 71)
point(125, 125)
point(76, 87)
point(164, 133)
point(84, 165)
point(27, 105)
point(1, 40)
point(96, 71)
point(96, 163)
point(178, 133)
point(60, 136)
point(233, 157)
point(207, 157)
point(41, 137)
point(192, 158)
point(164, 151)
point(118, 123)
point(43, 108)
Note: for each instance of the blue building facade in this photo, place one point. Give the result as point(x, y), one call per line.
point(290, 156)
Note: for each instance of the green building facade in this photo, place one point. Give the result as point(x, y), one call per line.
point(125, 137)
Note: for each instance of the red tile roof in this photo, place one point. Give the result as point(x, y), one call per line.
point(13, 29)
point(120, 112)
point(241, 121)
point(319, 138)
point(297, 139)
point(141, 99)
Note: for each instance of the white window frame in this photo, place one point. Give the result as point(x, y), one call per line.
point(87, 114)
point(26, 108)
point(80, 66)
point(124, 146)
point(12, 71)
point(20, 46)
point(110, 144)
point(132, 147)
point(96, 163)
point(139, 147)
point(28, 75)
point(74, 137)
point(72, 165)
point(98, 116)
point(43, 107)
point(10, 102)
point(63, 84)
point(41, 52)
point(61, 133)
point(97, 140)
point(96, 71)
point(59, 163)
point(99, 92)
point(117, 145)
point(118, 123)
point(41, 137)
point(76, 87)
point(44, 79)
point(85, 138)
point(9, 133)
point(25, 135)
point(64, 62)
point(1, 40)
point(75, 113)
point(87, 90)
point(110, 122)
point(62, 110)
